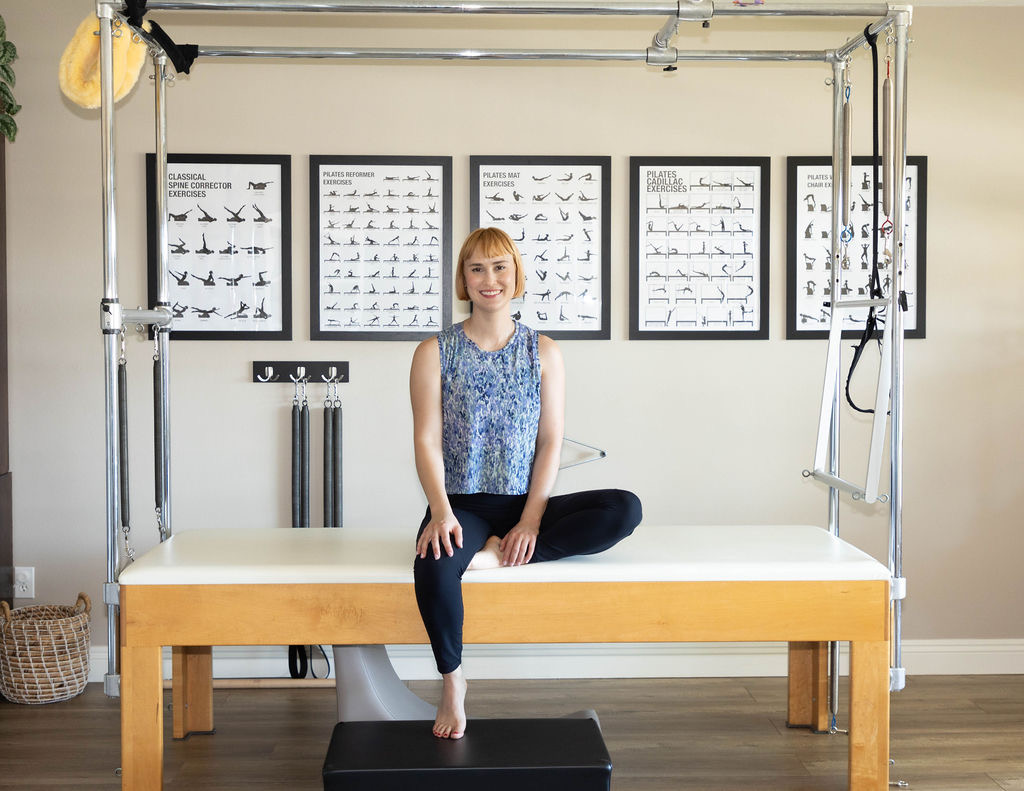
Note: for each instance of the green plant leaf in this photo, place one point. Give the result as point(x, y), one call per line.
point(7, 73)
point(8, 127)
point(3, 29)
point(8, 52)
point(6, 98)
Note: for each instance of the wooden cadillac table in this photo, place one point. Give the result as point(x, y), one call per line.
point(354, 586)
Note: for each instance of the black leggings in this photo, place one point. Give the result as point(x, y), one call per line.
point(583, 523)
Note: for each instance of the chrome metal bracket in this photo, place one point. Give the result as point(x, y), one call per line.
point(111, 593)
point(112, 685)
point(111, 316)
point(897, 679)
point(898, 588)
point(695, 10)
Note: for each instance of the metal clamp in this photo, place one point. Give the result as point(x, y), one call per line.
point(657, 56)
point(111, 316)
point(695, 10)
point(898, 588)
point(897, 679)
point(111, 593)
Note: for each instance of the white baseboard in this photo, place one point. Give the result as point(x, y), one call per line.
point(618, 660)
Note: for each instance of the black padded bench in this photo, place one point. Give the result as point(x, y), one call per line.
point(495, 755)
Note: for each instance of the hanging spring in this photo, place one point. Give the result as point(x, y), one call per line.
point(122, 407)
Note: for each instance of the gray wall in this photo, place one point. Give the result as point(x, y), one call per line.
point(704, 432)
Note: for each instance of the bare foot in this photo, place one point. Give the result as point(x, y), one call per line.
point(451, 713)
point(489, 557)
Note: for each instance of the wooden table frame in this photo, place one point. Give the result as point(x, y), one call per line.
point(194, 617)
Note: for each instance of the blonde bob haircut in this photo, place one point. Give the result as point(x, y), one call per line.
point(489, 243)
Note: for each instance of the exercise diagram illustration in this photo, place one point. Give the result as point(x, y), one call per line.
point(224, 244)
point(699, 240)
point(811, 203)
point(381, 246)
point(554, 212)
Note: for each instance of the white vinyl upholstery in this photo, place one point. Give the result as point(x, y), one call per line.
point(245, 556)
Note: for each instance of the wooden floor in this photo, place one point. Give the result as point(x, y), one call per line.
point(950, 733)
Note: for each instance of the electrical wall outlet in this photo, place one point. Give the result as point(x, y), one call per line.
point(24, 582)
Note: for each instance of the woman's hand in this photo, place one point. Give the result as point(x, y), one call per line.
point(518, 544)
point(440, 532)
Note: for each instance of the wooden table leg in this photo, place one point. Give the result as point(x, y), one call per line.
point(808, 686)
point(192, 690)
point(869, 716)
point(142, 721)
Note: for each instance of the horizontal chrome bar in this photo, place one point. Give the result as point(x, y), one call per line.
point(861, 303)
point(664, 56)
point(587, 7)
point(802, 9)
point(421, 54)
point(160, 316)
point(582, 7)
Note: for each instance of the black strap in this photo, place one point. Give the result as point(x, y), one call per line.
point(298, 663)
point(875, 288)
point(181, 55)
point(134, 10)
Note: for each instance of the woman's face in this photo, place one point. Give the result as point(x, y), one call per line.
point(490, 281)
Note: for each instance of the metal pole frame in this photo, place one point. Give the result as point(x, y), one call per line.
point(897, 17)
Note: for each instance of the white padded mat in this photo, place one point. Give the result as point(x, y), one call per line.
point(244, 556)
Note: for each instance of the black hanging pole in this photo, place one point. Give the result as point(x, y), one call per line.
point(328, 460)
point(336, 443)
point(298, 664)
point(305, 459)
point(296, 464)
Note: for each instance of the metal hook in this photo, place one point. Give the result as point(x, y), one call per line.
point(122, 359)
point(268, 374)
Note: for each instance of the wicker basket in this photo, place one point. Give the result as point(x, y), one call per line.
point(44, 651)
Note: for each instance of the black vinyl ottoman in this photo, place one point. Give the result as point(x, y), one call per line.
point(494, 755)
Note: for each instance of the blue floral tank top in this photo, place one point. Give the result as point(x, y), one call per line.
point(490, 412)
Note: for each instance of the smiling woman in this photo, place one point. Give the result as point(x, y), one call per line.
point(488, 399)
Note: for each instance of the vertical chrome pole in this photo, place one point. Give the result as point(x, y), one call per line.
point(163, 289)
point(110, 324)
point(902, 30)
point(840, 194)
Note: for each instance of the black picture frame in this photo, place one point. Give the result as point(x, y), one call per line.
point(807, 270)
point(201, 190)
point(373, 276)
point(674, 285)
point(561, 207)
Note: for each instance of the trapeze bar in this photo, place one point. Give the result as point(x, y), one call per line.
point(838, 483)
point(862, 303)
point(672, 8)
point(659, 57)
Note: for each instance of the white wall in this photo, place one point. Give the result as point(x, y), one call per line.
point(704, 432)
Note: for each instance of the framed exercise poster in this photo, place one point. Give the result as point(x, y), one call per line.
point(698, 252)
point(809, 249)
point(229, 239)
point(557, 211)
point(379, 247)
